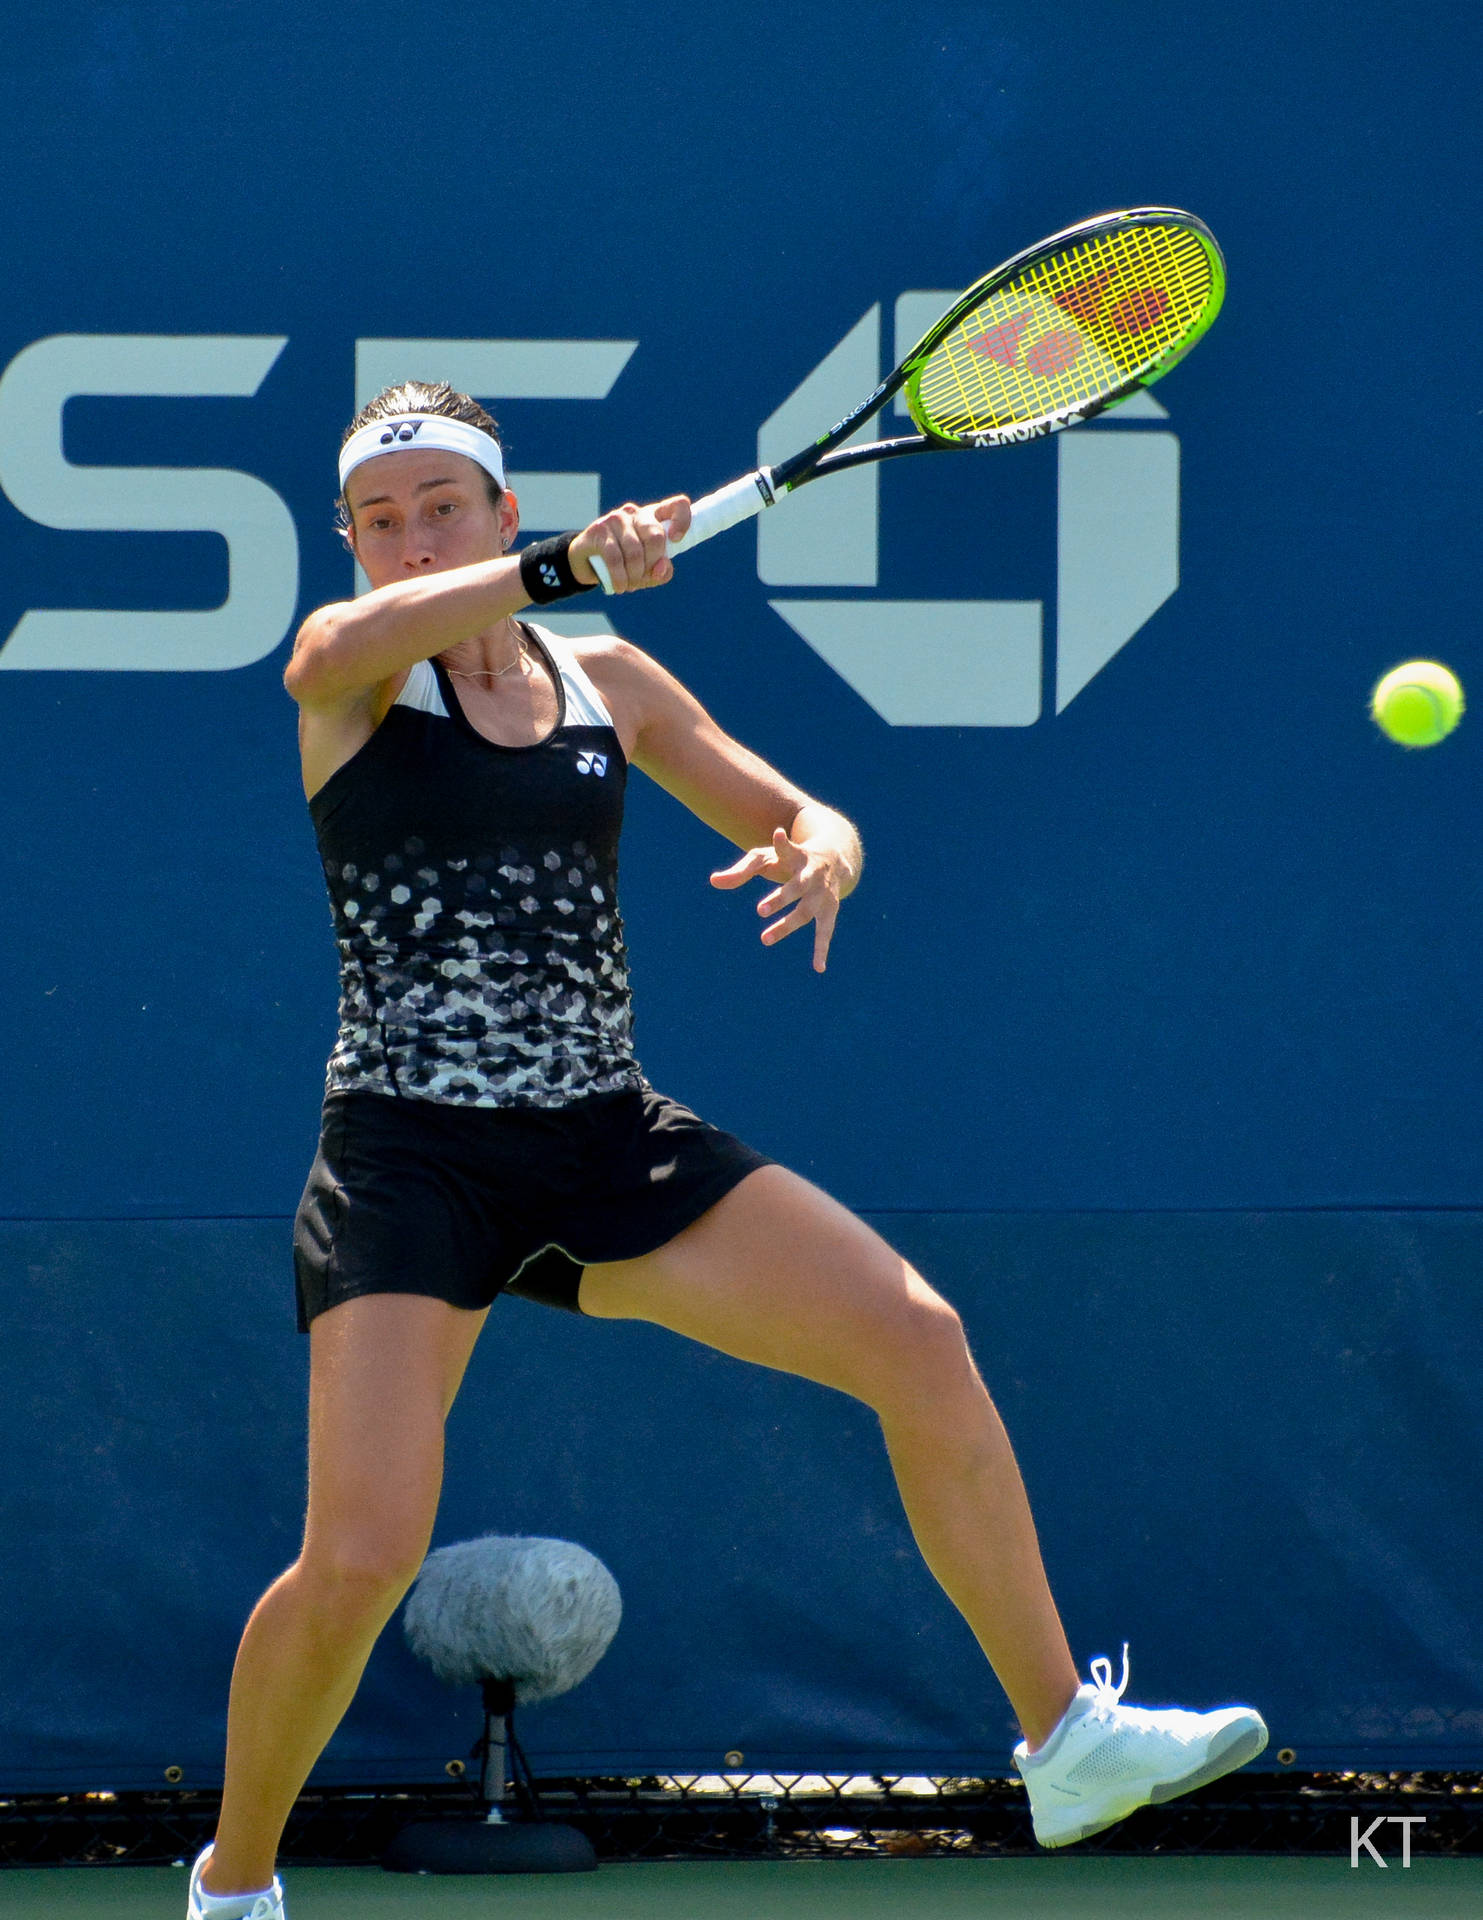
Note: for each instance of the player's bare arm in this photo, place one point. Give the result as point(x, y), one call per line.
point(346, 650)
point(810, 852)
point(351, 658)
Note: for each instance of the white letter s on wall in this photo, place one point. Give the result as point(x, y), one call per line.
point(262, 544)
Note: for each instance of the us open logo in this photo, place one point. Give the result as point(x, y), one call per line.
point(970, 663)
point(921, 663)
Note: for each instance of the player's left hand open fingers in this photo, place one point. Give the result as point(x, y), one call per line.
point(822, 911)
point(824, 933)
point(780, 929)
point(780, 897)
point(789, 857)
point(756, 860)
point(820, 907)
point(791, 865)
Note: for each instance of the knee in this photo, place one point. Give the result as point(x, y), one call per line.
point(361, 1576)
point(930, 1361)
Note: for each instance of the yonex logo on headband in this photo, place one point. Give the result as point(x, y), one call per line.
point(415, 431)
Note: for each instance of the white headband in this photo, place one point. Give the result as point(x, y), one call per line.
point(412, 430)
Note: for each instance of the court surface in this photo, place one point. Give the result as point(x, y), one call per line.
point(1226, 1887)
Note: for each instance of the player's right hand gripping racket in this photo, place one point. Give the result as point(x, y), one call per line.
point(1056, 335)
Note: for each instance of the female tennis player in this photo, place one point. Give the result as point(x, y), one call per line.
point(487, 1126)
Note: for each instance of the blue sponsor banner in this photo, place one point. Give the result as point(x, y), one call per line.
point(1247, 1440)
point(1154, 923)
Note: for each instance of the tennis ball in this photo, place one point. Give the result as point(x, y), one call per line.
point(1417, 704)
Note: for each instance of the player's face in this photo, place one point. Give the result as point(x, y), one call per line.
point(424, 511)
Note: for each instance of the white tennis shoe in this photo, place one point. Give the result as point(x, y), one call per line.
point(1105, 1760)
point(201, 1905)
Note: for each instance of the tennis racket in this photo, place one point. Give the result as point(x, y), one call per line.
point(1053, 337)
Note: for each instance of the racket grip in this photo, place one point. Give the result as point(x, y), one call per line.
point(727, 507)
point(713, 513)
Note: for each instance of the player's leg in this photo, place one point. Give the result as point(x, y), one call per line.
point(384, 1370)
point(778, 1273)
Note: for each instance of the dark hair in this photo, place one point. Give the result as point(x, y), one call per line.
point(422, 396)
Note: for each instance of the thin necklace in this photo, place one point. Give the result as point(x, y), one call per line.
point(494, 673)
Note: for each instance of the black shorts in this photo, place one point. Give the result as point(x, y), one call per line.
point(417, 1196)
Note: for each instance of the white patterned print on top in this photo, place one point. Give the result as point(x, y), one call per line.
point(492, 970)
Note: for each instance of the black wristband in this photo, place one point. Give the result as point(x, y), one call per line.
point(546, 570)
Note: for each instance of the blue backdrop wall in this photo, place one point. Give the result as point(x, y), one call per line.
point(1152, 1033)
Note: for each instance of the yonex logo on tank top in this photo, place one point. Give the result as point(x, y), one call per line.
point(592, 763)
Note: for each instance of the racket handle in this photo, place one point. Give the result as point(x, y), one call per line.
point(727, 507)
point(713, 513)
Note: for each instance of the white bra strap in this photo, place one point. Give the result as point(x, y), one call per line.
point(584, 704)
point(422, 690)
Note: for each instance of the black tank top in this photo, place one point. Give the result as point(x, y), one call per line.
point(474, 893)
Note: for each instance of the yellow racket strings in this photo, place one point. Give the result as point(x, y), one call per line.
point(1071, 329)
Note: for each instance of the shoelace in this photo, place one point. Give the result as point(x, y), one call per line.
point(1107, 1701)
point(1108, 1696)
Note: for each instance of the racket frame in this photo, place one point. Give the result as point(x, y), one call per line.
point(741, 499)
point(803, 466)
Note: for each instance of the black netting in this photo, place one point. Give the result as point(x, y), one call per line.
point(810, 1816)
